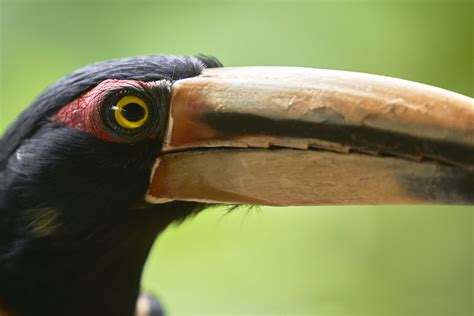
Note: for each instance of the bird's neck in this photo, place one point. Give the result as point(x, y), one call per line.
point(92, 264)
point(96, 272)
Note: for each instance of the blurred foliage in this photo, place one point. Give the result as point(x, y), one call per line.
point(370, 260)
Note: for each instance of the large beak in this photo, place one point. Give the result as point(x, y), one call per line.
point(296, 136)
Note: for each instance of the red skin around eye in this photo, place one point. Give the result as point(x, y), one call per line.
point(83, 113)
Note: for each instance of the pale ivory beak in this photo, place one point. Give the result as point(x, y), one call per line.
point(297, 136)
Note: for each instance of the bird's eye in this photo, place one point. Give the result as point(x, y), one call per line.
point(131, 112)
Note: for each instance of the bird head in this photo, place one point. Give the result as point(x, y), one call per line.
point(111, 154)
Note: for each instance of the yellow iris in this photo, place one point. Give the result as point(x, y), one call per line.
point(131, 112)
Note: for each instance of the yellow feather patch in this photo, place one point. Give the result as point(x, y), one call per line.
point(42, 221)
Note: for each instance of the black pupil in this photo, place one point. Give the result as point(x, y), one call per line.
point(133, 112)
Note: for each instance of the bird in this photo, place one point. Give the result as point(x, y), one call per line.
point(111, 154)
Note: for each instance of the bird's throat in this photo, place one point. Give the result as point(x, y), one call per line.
point(96, 272)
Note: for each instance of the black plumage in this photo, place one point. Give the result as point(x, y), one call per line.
point(73, 233)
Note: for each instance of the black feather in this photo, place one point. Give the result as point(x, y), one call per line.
point(63, 91)
point(90, 192)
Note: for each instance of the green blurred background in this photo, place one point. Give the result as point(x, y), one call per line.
point(397, 260)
